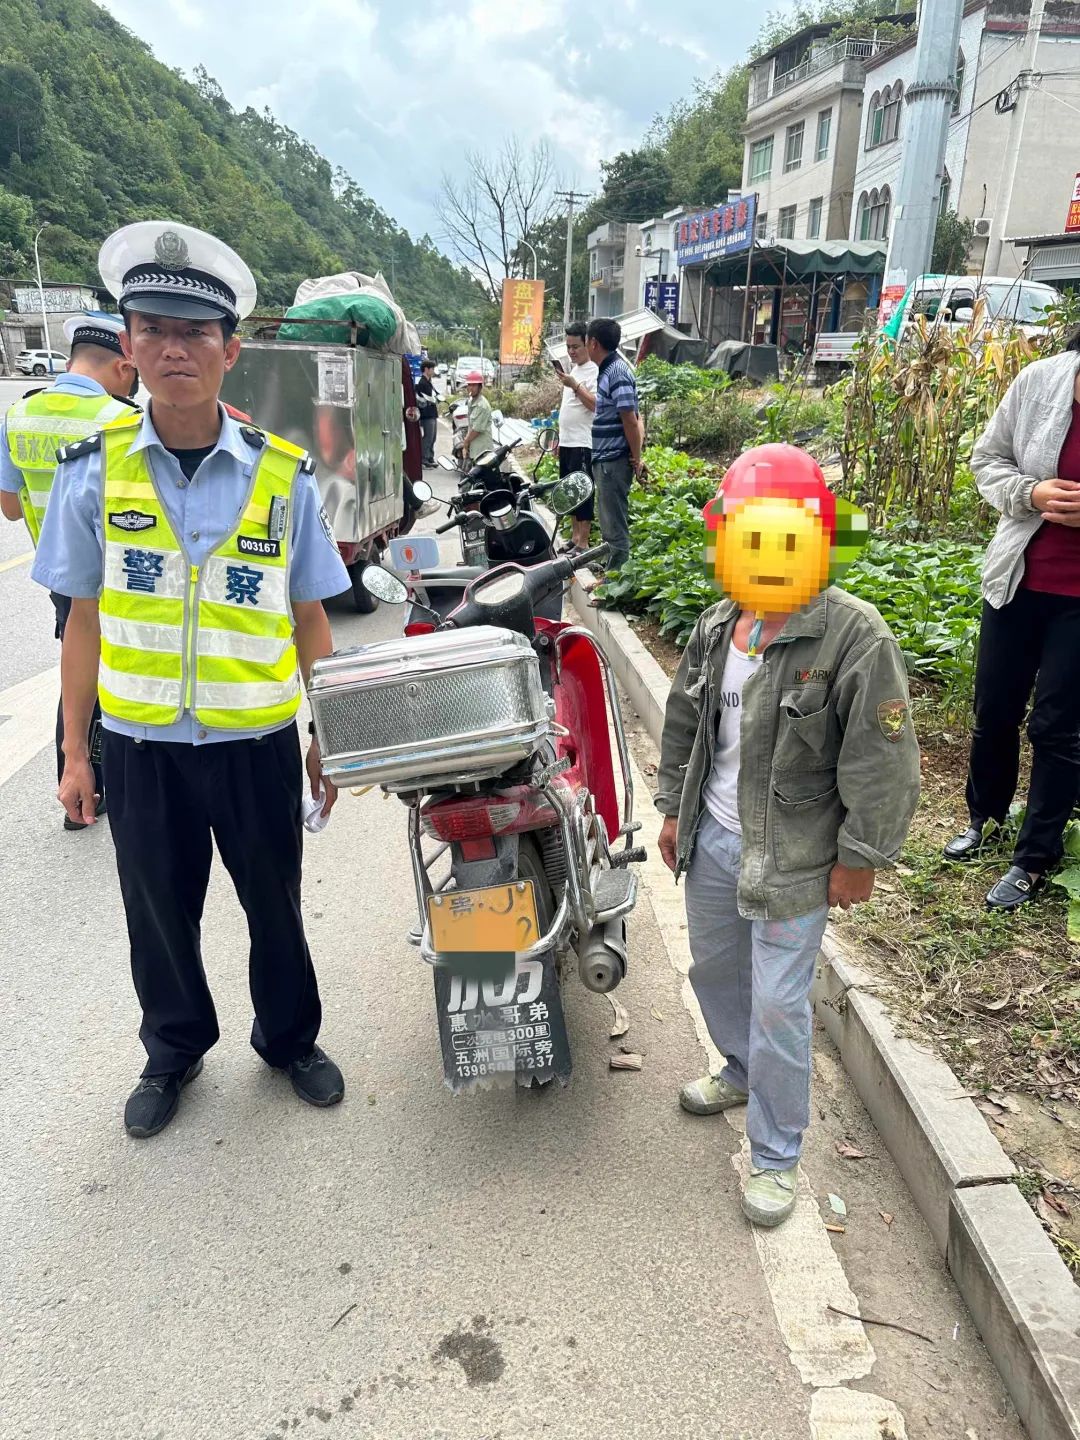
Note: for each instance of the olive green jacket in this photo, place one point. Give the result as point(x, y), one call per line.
point(829, 763)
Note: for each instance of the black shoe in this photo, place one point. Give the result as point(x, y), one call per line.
point(70, 824)
point(966, 846)
point(152, 1104)
point(316, 1078)
point(1015, 888)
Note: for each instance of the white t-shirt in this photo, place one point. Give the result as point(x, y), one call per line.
point(722, 786)
point(575, 420)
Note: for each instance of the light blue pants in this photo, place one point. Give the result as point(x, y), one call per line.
point(752, 980)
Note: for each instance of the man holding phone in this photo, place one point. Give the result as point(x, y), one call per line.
point(575, 426)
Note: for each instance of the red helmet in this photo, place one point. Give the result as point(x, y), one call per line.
point(474, 378)
point(782, 470)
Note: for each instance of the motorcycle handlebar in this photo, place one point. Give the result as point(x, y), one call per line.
point(591, 557)
point(450, 525)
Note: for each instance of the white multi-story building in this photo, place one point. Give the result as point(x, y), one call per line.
point(990, 55)
point(802, 132)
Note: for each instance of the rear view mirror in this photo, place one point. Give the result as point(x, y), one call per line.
point(570, 492)
point(445, 463)
point(384, 586)
point(497, 417)
point(422, 491)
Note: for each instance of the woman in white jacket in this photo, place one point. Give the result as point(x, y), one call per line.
point(1027, 465)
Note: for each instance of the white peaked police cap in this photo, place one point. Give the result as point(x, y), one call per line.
point(95, 328)
point(159, 267)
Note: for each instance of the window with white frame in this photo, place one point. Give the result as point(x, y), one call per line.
point(785, 223)
point(761, 158)
point(873, 214)
point(793, 143)
point(813, 218)
point(824, 134)
point(958, 80)
point(761, 225)
point(883, 120)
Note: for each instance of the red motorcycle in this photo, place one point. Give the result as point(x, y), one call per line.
point(499, 730)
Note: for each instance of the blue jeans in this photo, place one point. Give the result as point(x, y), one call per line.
point(752, 980)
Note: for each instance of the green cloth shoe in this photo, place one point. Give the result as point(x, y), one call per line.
point(769, 1196)
point(710, 1095)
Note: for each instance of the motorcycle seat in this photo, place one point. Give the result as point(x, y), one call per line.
point(445, 574)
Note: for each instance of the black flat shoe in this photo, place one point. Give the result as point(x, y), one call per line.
point(152, 1104)
point(969, 844)
point(1015, 888)
point(316, 1078)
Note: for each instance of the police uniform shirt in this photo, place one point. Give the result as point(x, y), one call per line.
point(203, 513)
point(11, 478)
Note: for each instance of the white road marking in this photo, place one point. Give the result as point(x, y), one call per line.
point(16, 560)
point(30, 708)
point(854, 1415)
point(802, 1270)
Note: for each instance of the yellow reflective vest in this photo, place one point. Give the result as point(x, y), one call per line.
point(37, 427)
point(215, 639)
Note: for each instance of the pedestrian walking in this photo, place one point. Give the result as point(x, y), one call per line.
point(1027, 465)
point(617, 437)
point(789, 772)
point(478, 439)
point(428, 401)
point(576, 409)
point(96, 388)
point(197, 554)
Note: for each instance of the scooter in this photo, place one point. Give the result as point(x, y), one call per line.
point(493, 727)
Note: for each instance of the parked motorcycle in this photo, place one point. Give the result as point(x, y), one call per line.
point(494, 729)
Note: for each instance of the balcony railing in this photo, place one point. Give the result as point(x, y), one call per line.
point(608, 277)
point(766, 85)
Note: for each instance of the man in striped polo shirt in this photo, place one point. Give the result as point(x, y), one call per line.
point(616, 437)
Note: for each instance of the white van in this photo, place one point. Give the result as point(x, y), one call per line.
point(951, 300)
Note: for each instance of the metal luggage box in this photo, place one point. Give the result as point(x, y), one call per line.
point(463, 704)
point(341, 404)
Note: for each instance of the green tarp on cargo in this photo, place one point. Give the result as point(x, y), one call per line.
point(374, 318)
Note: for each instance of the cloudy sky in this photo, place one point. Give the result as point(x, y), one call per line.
point(394, 92)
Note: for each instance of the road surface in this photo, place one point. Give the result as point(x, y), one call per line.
point(411, 1266)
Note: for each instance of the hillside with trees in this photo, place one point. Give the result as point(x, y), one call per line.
point(95, 133)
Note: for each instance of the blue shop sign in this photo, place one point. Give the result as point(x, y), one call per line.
point(712, 234)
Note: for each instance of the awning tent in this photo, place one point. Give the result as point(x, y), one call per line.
point(799, 260)
point(664, 340)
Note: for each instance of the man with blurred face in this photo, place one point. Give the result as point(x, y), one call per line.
point(575, 427)
point(198, 554)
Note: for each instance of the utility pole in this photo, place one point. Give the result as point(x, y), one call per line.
point(570, 196)
point(1025, 82)
point(41, 298)
point(929, 100)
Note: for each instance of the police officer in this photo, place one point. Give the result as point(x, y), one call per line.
point(198, 555)
point(95, 389)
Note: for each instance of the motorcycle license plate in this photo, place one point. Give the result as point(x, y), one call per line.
point(498, 919)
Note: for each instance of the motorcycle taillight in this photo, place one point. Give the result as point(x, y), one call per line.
point(472, 819)
point(419, 627)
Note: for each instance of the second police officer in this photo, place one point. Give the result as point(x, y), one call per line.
point(197, 556)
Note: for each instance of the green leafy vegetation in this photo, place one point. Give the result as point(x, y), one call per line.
point(94, 133)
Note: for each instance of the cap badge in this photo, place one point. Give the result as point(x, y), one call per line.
point(171, 251)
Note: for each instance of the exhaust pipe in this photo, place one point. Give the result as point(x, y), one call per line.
point(602, 956)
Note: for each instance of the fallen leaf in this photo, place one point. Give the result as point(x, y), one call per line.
point(621, 1024)
point(993, 1005)
point(991, 1111)
point(624, 1062)
point(1057, 1203)
point(836, 1229)
point(849, 1152)
point(648, 768)
point(1047, 1216)
point(837, 1205)
point(656, 1014)
point(886, 1217)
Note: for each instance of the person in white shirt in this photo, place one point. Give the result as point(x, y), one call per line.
point(575, 426)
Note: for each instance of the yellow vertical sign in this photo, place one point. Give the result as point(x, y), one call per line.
point(522, 321)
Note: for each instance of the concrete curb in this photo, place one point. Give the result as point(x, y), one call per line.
point(1020, 1295)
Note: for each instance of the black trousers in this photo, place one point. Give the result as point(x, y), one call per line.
point(167, 803)
point(429, 429)
point(62, 606)
point(1031, 643)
